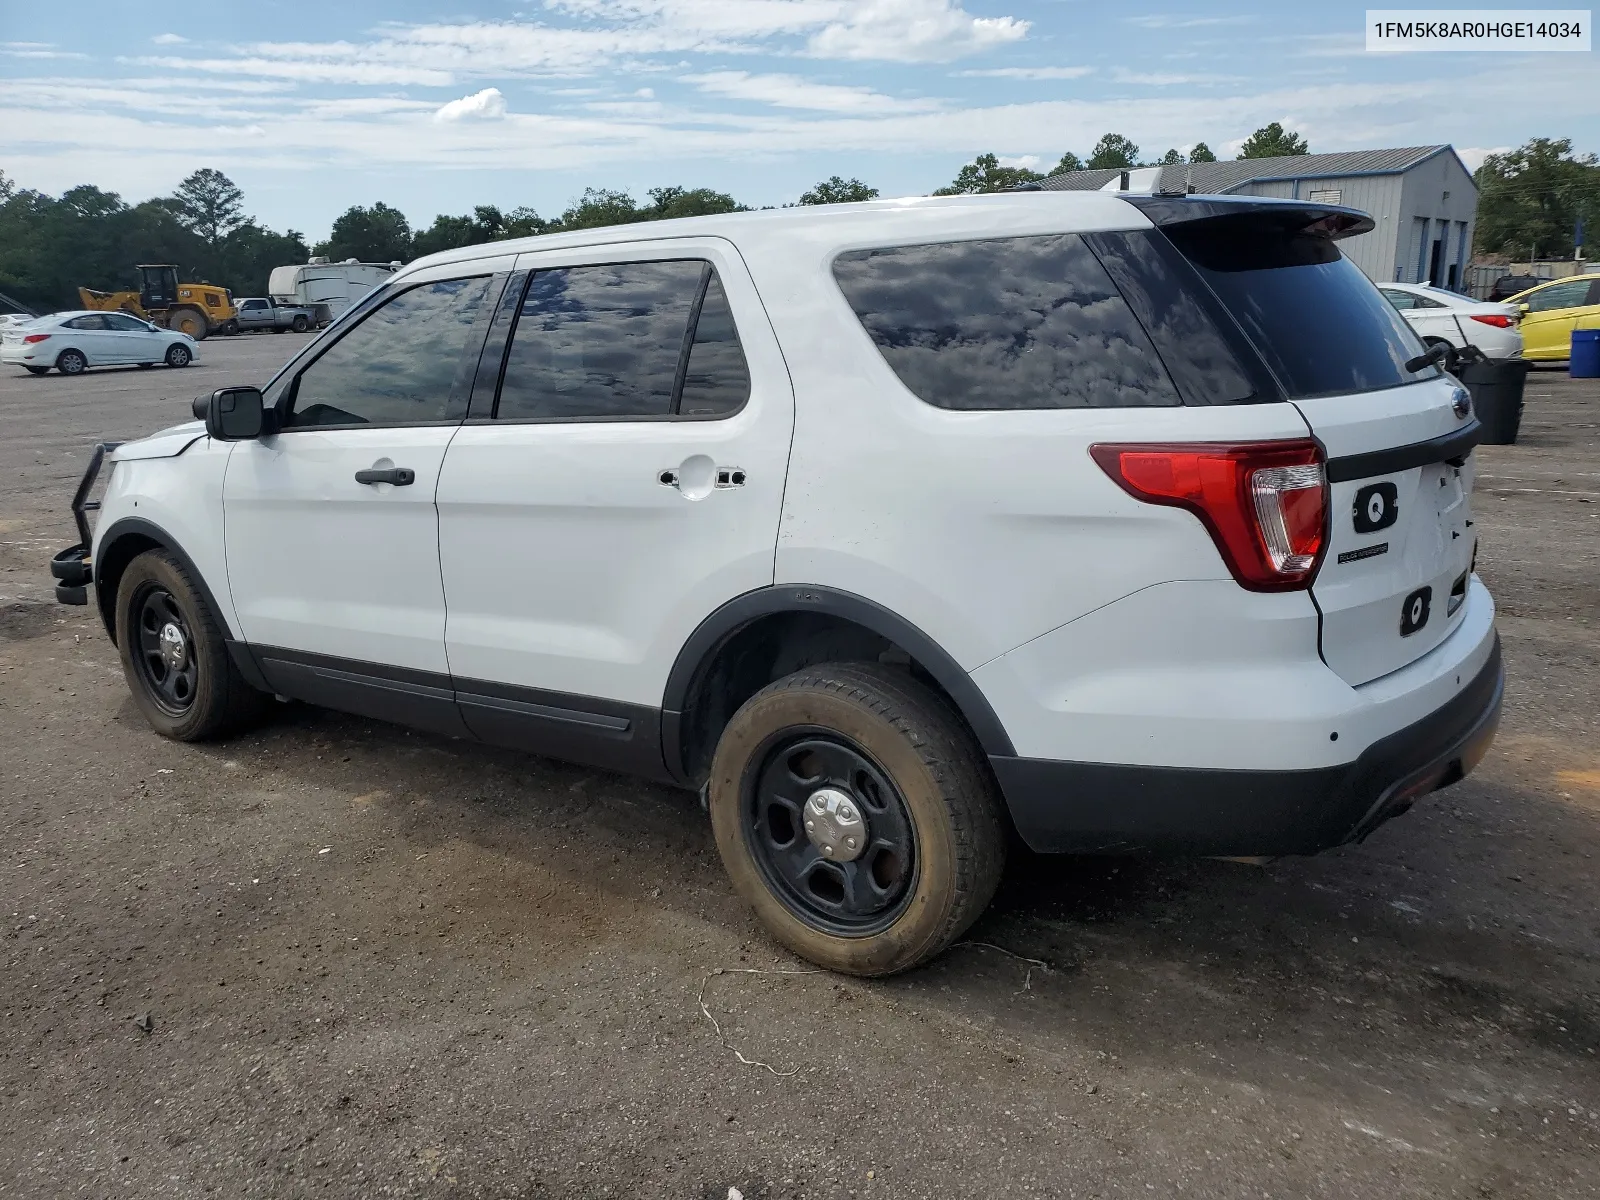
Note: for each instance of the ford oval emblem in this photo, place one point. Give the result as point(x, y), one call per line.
point(1461, 401)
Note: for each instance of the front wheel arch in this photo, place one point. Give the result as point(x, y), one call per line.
point(124, 542)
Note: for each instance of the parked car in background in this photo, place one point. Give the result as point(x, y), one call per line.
point(1447, 318)
point(1551, 311)
point(1508, 286)
point(72, 342)
point(16, 320)
point(260, 312)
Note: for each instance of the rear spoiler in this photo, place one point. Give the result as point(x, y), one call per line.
point(1331, 221)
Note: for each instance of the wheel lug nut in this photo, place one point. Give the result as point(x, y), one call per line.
point(811, 824)
point(850, 842)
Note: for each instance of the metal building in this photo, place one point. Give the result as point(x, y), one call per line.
point(1422, 198)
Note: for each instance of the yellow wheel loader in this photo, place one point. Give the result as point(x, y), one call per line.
point(198, 309)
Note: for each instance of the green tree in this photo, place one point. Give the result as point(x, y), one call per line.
point(1273, 141)
point(835, 190)
point(597, 207)
point(247, 255)
point(985, 174)
point(669, 202)
point(376, 234)
point(210, 204)
point(1200, 152)
point(522, 221)
point(1171, 159)
point(1115, 152)
point(1069, 163)
point(486, 224)
point(1530, 198)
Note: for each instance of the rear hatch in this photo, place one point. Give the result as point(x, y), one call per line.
point(1398, 439)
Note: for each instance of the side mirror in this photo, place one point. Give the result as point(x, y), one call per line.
point(234, 414)
point(1524, 307)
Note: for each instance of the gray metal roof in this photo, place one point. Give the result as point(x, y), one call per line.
point(1219, 178)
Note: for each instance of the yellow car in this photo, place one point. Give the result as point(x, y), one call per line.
point(1551, 311)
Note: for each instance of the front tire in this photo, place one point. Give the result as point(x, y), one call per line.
point(179, 356)
point(864, 752)
point(72, 362)
point(174, 656)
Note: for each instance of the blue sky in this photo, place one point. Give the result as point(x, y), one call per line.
point(312, 108)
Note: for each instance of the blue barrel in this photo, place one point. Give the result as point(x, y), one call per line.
point(1585, 361)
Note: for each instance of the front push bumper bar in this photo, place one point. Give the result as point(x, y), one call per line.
point(72, 568)
point(1104, 808)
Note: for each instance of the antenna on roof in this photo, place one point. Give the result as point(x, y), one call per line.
point(1188, 181)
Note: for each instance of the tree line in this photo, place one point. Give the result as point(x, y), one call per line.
point(1530, 199)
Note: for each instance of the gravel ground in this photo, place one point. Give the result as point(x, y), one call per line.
point(336, 958)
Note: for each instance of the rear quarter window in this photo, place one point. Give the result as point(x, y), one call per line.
point(1004, 323)
point(1319, 324)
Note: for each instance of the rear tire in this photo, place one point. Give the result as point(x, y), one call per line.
point(191, 321)
point(875, 741)
point(301, 324)
point(192, 696)
point(38, 370)
point(179, 356)
point(72, 362)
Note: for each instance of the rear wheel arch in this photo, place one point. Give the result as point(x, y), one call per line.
point(763, 635)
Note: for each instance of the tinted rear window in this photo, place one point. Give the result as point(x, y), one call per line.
point(1005, 323)
point(1317, 321)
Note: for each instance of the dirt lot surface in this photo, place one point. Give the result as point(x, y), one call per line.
point(374, 963)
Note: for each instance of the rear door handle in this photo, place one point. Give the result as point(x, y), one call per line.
point(399, 476)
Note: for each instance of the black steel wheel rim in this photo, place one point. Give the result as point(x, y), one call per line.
point(850, 899)
point(171, 684)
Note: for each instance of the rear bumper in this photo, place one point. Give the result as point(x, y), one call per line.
point(1073, 807)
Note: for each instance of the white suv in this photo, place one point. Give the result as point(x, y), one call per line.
point(1122, 524)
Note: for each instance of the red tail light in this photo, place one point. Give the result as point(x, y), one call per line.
point(1265, 503)
point(1495, 319)
point(36, 337)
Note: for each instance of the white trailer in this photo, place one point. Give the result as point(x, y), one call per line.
point(327, 287)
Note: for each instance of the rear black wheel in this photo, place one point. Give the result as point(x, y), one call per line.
point(38, 370)
point(856, 814)
point(174, 656)
point(71, 362)
point(301, 324)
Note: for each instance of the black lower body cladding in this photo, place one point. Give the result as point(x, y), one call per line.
point(1101, 808)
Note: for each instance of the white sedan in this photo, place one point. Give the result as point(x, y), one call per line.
point(72, 342)
point(1457, 321)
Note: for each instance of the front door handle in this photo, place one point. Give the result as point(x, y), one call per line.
point(399, 476)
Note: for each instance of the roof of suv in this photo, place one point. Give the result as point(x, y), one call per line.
point(847, 224)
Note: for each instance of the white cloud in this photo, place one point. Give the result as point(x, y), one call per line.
point(169, 39)
point(791, 91)
point(349, 70)
point(1029, 162)
point(1164, 79)
point(1174, 21)
point(1027, 73)
point(1473, 156)
point(487, 105)
point(36, 50)
point(914, 31)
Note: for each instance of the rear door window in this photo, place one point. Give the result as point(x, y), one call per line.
point(1561, 295)
point(620, 341)
point(1318, 322)
point(1004, 323)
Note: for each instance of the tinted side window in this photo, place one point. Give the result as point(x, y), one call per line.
point(601, 341)
point(95, 322)
point(716, 380)
point(124, 323)
point(1207, 359)
point(1401, 300)
point(1314, 318)
point(402, 365)
point(1561, 295)
point(1007, 323)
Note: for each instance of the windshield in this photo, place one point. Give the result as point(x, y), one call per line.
point(1321, 325)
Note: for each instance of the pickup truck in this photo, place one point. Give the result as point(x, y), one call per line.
point(258, 312)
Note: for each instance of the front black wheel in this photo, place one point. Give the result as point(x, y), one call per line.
point(856, 814)
point(174, 656)
point(179, 356)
